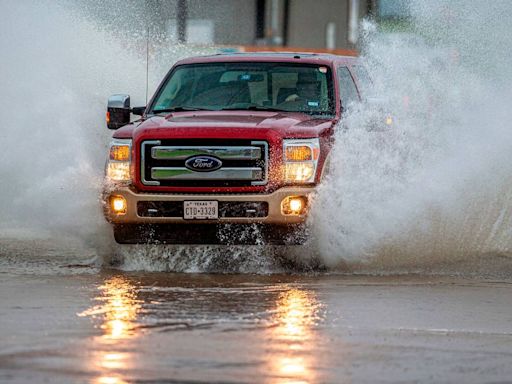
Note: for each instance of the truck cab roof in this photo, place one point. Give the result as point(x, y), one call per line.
point(299, 57)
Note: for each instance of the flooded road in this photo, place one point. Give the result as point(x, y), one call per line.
point(62, 321)
point(414, 229)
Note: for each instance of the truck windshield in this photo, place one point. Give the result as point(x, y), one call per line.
point(287, 87)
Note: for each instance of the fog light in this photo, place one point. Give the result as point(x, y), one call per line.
point(293, 205)
point(118, 204)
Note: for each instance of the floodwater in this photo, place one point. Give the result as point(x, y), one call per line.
point(412, 230)
point(64, 319)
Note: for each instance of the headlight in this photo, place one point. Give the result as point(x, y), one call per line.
point(119, 161)
point(300, 160)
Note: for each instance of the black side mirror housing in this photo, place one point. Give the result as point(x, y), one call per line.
point(139, 111)
point(118, 111)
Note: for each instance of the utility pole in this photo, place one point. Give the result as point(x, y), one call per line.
point(286, 22)
point(181, 19)
point(371, 7)
point(275, 20)
point(260, 22)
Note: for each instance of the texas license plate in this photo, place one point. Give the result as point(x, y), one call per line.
point(200, 210)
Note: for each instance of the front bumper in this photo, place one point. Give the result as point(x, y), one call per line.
point(274, 200)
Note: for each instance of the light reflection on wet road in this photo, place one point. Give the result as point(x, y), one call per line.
point(116, 313)
point(297, 315)
point(111, 327)
point(124, 311)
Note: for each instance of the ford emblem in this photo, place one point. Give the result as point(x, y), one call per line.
point(203, 163)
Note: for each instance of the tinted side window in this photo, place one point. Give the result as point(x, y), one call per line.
point(363, 79)
point(348, 90)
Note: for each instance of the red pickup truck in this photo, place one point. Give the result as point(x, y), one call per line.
point(228, 150)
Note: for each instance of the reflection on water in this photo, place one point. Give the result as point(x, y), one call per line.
point(297, 314)
point(110, 380)
point(120, 307)
point(116, 315)
point(290, 315)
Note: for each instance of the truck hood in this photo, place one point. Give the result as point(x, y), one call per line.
point(182, 124)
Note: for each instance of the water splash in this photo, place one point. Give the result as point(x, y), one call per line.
point(59, 64)
point(434, 191)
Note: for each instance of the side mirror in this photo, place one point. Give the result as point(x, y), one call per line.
point(118, 111)
point(139, 111)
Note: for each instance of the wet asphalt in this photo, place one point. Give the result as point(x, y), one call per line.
point(62, 321)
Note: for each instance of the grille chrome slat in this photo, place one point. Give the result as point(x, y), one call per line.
point(224, 153)
point(246, 162)
point(143, 162)
point(181, 173)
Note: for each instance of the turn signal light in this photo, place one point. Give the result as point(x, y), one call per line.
point(118, 204)
point(293, 205)
point(120, 152)
point(298, 153)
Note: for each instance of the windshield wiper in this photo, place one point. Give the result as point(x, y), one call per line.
point(181, 108)
point(254, 108)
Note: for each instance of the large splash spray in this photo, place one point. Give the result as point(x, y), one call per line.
point(60, 62)
point(435, 189)
point(55, 71)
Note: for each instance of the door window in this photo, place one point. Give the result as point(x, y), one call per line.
point(348, 90)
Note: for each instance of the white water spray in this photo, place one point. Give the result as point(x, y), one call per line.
point(435, 189)
point(58, 67)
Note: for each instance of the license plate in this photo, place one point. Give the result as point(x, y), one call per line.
point(200, 210)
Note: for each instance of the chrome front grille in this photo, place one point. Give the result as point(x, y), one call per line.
point(223, 153)
point(244, 162)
